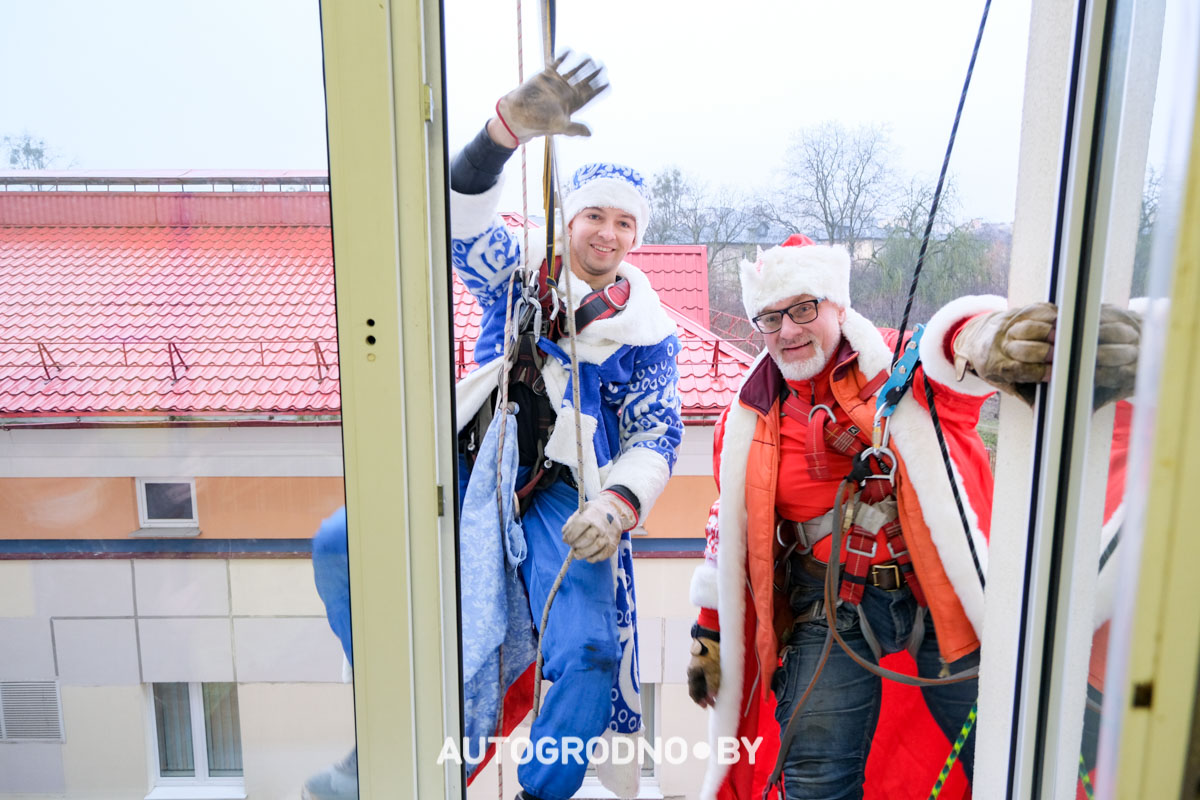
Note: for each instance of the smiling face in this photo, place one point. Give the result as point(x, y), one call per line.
point(600, 238)
point(802, 350)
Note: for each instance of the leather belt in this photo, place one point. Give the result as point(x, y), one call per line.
point(884, 576)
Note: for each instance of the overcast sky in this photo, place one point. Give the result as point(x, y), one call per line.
point(716, 89)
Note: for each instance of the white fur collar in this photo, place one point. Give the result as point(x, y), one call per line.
point(873, 353)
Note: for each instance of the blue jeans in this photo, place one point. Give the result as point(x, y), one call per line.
point(828, 756)
point(331, 571)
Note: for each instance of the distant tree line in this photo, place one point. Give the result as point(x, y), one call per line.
point(837, 185)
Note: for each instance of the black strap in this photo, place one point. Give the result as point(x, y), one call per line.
point(626, 494)
point(699, 631)
point(477, 167)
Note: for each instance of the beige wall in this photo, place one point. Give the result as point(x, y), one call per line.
point(105, 752)
point(67, 508)
point(106, 508)
point(682, 509)
point(266, 508)
point(292, 731)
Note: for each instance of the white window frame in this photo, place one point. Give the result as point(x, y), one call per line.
point(144, 521)
point(195, 787)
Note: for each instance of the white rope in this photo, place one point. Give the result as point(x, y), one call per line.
point(579, 484)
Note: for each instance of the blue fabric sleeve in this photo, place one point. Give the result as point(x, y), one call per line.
point(650, 413)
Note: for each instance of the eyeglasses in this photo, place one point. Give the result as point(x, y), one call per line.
point(802, 312)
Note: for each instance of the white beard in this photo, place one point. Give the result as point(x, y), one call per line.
point(809, 367)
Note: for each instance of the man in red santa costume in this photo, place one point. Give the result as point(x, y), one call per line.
point(912, 549)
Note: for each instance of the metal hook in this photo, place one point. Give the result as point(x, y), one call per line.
point(881, 452)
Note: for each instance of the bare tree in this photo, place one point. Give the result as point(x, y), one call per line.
point(1147, 216)
point(27, 152)
point(836, 182)
point(960, 259)
point(686, 211)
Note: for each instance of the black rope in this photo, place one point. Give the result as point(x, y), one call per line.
point(1109, 549)
point(937, 193)
point(962, 514)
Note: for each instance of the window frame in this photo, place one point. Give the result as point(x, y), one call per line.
point(200, 786)
point(145, 521)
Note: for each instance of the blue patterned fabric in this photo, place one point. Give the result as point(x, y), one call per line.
point(495, 611)
point(601, 169)
point(632, 395)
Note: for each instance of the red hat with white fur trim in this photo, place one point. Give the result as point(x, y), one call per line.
point(796, 267)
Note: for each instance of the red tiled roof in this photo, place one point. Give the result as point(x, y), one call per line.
point(137, 314)
point(152, 320)
point(679, 273)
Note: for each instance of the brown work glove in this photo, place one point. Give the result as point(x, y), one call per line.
point(1011, 349)
point(594, 531)
point(704, 670)
point(1116, 354)
point(543, 105)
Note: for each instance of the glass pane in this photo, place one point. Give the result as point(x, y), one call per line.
point(222, 729)
point(173, 717)
point(849, 160)
point(1151, 52)
point(168, 501)
point(168, 345)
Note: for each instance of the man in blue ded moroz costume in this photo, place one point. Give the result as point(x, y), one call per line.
point(630, 427)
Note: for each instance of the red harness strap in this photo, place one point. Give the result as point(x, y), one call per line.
point(597, 305)
point(861, 543)
point(822, 431)
point(899, 551)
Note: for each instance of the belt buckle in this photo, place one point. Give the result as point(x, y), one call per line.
point(877, 569)
point(613, 304)
point(868, 553)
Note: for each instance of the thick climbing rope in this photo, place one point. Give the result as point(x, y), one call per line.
point(552, 182)
point(963, 733)
point(523, 268)
point(579, 483)
point(1089, 791)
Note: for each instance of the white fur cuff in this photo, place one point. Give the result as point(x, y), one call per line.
point(472, 214)
point(933, 355)
point(643, 472)
point(703, 591)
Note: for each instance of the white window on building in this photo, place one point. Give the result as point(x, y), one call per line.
point(197, 741)
point(167, 507)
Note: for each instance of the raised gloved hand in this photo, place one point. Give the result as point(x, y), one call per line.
point(543, 105)
point(1116, 354)
point(704, 670)
point(594, 530)
point(1011, 349)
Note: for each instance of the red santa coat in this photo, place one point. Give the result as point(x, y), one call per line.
point(736, 581)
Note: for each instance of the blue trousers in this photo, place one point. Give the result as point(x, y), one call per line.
point(828, 757)
point(581, 652)
point(331, 571)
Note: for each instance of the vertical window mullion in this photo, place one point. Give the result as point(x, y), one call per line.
point(199, 730)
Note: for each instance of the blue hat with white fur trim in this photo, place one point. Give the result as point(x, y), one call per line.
point(606, 185)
